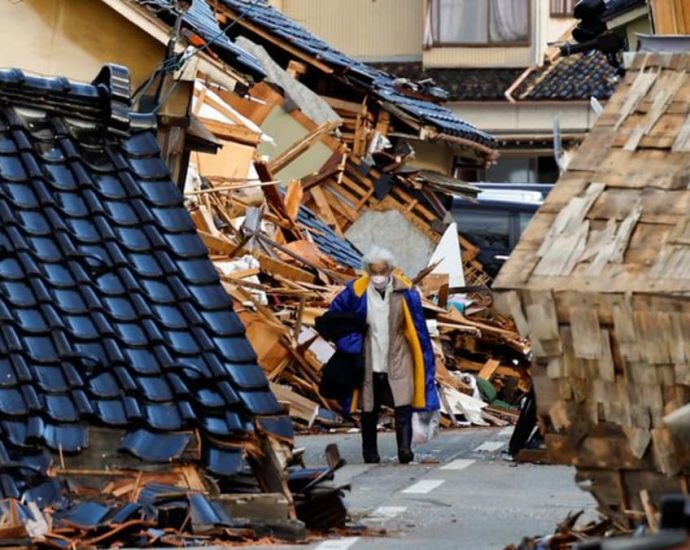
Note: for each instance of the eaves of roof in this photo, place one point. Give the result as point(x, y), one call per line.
point(199, 27)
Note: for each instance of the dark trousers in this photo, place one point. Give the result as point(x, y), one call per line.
point(370, 420)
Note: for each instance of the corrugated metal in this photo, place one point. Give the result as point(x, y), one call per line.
point(478, 57)
point(381, 30)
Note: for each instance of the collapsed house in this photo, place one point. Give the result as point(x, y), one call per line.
point(397, 146)
point(130, 398)
point(146, 386)
point(323, 158)
point(598, 283)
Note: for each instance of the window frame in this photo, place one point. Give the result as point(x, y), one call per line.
point(559, 13)
point(435, 7)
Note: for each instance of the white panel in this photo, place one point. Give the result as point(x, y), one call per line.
point(448, 253)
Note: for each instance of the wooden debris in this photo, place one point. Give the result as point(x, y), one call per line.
point(599, 281)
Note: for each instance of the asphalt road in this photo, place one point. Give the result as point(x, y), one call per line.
point(472, 497)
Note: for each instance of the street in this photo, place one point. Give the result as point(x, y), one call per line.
point(473, 498)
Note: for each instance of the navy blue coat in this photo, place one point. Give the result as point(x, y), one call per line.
point(353, 299)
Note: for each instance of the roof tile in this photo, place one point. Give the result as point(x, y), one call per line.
point(112, 313)
point(577, 77)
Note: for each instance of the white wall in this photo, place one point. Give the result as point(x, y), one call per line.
point(514, 118)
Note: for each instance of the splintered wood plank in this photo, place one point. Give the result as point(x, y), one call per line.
point(217, 244)
point(642, 84)
point(564, 252)
point(682, 142)
point(615, 249)
point(570, 218)
point(593, 150)
point(584, 323)
point(509, 303)
point(645, 168)
point(664, 95)
point(655, 331)
point(325, 209)
point(658, 206)
point(665, 451)
point(543, 323)
point(293, 199)
point(673, 262)
point(489, 369)
point(273, 266)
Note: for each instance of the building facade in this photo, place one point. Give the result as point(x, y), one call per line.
point(496, 60)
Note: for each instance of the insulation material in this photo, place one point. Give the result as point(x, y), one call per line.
point(392, 230)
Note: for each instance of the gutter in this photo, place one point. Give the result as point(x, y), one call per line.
point(515, 85)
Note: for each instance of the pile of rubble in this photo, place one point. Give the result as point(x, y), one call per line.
point(140, 405)
point(282, 254)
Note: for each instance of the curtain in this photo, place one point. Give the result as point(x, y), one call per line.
point(562, 8)
point(509, 21)
point(460, 21)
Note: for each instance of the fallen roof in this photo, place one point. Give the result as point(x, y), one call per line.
point(603, 274)
point(199, 19)
point(111, 312)
point(328, 241)
point(353, 71)
point(571, 78)
point(461, 84)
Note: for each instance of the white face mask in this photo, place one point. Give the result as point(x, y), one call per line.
point(379, 281)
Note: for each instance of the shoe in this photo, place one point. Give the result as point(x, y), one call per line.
point(372, 459)
point(403, 434)
point(405, 456)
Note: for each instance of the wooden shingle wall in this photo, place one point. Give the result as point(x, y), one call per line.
point(600, 282)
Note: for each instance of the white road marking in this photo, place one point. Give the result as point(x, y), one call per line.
point(507, 431)
point(458, 464)
point(490, 446)
point(337, 544)
point(423, 487)
point(383, 513)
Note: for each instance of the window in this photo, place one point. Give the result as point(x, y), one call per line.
point(489, 229)
point(562, 8)
point(477, 22)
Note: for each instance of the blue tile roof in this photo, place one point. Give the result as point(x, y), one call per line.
point(201, 20)
point(111, 312)
point(328, 241)
point(571, 78)
point(356, 72)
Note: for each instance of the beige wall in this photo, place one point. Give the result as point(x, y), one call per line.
point(382, 30)
point(73, 38)
point(515, 118)
point(449, 57)
point(639, 26)
point(368, 30)
point(437, 157)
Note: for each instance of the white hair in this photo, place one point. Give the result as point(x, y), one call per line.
point(377, 255)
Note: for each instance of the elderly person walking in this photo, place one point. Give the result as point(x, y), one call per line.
point(398, 359)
